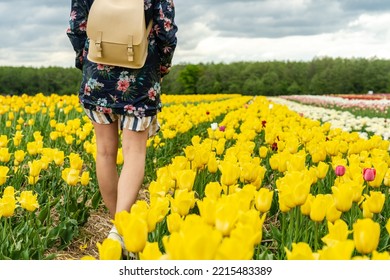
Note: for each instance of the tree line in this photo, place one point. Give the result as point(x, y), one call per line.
point(319, 76)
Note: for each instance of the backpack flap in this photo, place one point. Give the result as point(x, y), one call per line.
point(117, 32)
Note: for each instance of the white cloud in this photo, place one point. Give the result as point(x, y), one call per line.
point(367, 36)
point(33, 32)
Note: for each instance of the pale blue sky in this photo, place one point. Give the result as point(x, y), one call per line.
point(32, 32)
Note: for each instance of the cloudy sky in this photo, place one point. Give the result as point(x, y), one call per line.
point(32, 32)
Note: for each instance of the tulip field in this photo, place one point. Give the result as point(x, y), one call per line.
point(228, 177)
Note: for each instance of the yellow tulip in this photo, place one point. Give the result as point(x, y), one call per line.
point(3, 174)
point(75, 161)
point(385, 256)
point(207, 209)
point(174, 222)
point(332, 147)
point(88, 258)
point(322, 169)
point(190, 152)
point(296, 162)
point(140, 208)
point(343, 197)
point(5, 156)
point(375, 201)
point(45, 161)
point(183, 201)
point(159, 207)
point(69, 139)
point(233, 248)
point(212, 164)
point(306, 207)
point(121, 221)
point(201, 159)
point(17, 138)
point(220, 148)
point(339, 250)
point(213, 190)
point(84, 179)
point(338, 231)
point(34, 148)
point(332, 214)
point(284, 201)
point(19, 155)
point(150, 252)
point(263, 151)
point(318, 208)
point(230, 173)
point(263, 199)
point(300, 251)
point(249, 172)
point(135, 233)
point(35, 168)
point(7, 206)
point(386, 179)
point(28, 201)
point(318, 153)
point(366, 211)
point(32, 180)
point(366, 234)
point(54, 135)
point(70, 176)
point(226, 215)
point(388, 226)
point(185, 179)
point(195, 241)
point(381, 169)
point(252, 219)
point(58, 157)
point(9, 192)
point(357, 191)
point(110, 249)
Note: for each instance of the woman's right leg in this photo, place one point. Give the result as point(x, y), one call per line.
point(106, 168)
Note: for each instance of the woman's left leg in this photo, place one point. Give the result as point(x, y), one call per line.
point(133, 169)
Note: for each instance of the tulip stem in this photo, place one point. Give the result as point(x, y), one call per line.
point(283, 241)
point(297, 222)
point(316, 236)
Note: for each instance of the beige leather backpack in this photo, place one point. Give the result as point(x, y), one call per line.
point(117, 33)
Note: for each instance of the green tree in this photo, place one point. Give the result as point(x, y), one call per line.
point(189, 78)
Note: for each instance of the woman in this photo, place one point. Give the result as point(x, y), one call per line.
point(117, 98)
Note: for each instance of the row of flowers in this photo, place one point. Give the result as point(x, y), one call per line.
point(266, 183)
point(368, 96)
point(344, 120)
point(358, 107)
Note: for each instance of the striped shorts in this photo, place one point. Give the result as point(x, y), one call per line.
point(126, 122)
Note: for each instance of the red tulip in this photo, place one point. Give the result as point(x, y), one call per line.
point(339, 170)
point(369, 174)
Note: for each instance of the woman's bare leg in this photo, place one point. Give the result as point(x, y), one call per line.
point(133, 170)
point(106, 168)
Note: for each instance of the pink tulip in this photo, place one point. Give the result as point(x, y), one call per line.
point(369, 174)
point(339, 170)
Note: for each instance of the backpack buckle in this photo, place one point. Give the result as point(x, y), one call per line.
point(98, 44)
point(130, 50)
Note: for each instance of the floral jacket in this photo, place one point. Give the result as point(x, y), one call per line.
point(119, 90)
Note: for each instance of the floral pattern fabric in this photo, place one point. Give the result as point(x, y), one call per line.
point(118, 90)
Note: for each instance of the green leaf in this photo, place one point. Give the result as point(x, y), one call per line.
point(96, 199)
